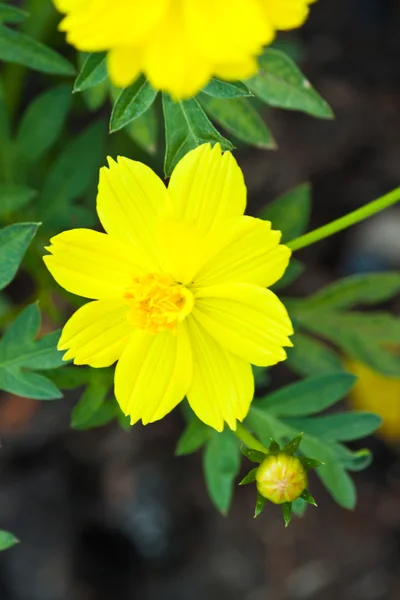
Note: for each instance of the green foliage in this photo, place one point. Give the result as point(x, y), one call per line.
point(14, 241)
point(91, 400)
point(226, 89)
point(238, 117)
point(21, 355)
point(11, 14)
point(276, 414)
point(132, 103)
point(43, 121)
point(290, 213)
point(19, 48)
point(93, 72)
point(7, 539)
point(280, 83)
point(186, 127)
point(221, 462)
point(14, 196)
point(143, 131)
point(194, 437)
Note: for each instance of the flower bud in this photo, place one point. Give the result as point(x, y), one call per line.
point(281, 478)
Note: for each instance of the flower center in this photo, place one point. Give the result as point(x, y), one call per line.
point(158, 303)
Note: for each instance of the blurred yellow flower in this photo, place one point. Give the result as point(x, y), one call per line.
point(178, 44)
point(178, 284)
point(379, 394)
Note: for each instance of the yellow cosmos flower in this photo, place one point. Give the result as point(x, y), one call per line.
point(379, 394)
point(179, 288)
point(178, 44)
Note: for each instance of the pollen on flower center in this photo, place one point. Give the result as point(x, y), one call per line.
point(158, 303)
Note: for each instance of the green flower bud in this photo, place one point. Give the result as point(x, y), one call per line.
point(281, 478)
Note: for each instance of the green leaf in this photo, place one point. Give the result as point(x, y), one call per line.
point(13, 197)
point(290, 213)
point(11, 14)
point(260, 503)
point(280, 83)
point(7, 539)
point(371, 338)
point(309, 356)
point(367, 288)
point(310, 463)
point(186, 127)
point(354, 461)
point(69, 378)
point(16, 47)
point(43, 121)
point(194, 437)
point(308, 396)
point(90, 402)
point(307, 497)
point(299, 507)
point(292, 446)
point(226, 89)
point(239, 118)
point(294, 270)
point(250, 477)
point(107, 412)
point(253, 455)
point(131, 104)
point(287, 512)
point(221, 463)
point(14, 241)
point(19, 351)
point(143, 131)
point(71, 174)
point(343, 427)
point(93, 72)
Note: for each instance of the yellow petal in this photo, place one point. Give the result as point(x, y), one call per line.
point(252, 254)
point(96, 334)
point(97, 25)
point(248, 320)
point(130, 202)
point(233, 71)
point(207, 188)
point(223, 386)
point(153, 374)
point(234, 30)
point(124, 65)
point(286, 14)
point(170, 60)
point(91, 264)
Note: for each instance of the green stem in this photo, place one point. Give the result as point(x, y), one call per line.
point(351, 219)
point(247, 438)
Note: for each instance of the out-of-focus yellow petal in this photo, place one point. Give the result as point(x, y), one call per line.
point(252, 254)
point(91, 264)
point(130, 203)
point(95, 25)
point(171, 61)
point(226, 31)
point(96, 334)
point(124, 65)
point(223, 386)
point(248, 320)
point(233, 71)
point(379, 394)
point(207, 188)
point(153, 374)
point(286, 14)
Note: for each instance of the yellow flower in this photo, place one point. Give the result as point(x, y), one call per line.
point(178, 284)
point(379, 394)
point(178, 44)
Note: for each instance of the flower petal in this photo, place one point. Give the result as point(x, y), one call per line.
point(91, 264)
point(286, 14)
point(131, 200)
point(153, 374)
point(124, 65)
point(223, 385)
point(248, 320)
point(251, 255)
point(207, 188)
point(96, 334)
point(233, 71)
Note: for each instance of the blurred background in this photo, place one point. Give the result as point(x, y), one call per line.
point(108, 514)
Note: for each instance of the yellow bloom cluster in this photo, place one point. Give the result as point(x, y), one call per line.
point(178, 285)
point(179, 44)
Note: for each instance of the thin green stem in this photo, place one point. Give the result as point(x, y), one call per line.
point(247, 438)
point(351, 219)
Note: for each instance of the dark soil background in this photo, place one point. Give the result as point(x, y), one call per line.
point(108, 515)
